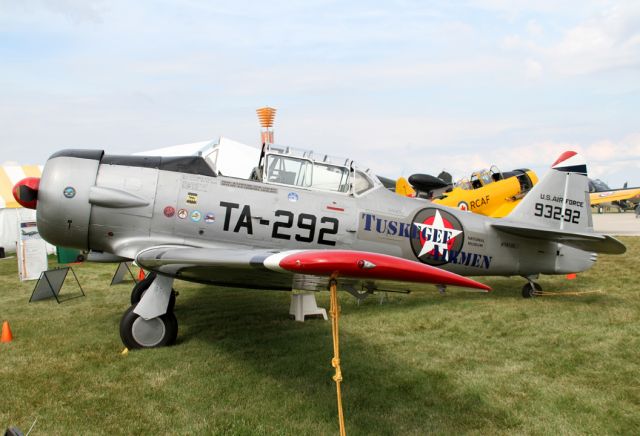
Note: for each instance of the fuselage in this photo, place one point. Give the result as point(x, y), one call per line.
point(124, 204)
point(494, 198)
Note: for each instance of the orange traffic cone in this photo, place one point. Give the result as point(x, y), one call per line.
point(6, 333)
point(141, 274)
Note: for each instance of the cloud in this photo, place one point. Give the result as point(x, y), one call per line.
point(533, 69)
point(76, 11)
point(606, 40)
point(614, 161)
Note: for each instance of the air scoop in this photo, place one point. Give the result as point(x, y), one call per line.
point(26, 192)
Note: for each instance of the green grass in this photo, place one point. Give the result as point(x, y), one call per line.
point(463, 363)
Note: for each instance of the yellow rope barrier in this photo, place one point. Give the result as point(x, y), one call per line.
point(334, 310)
point(565, 293)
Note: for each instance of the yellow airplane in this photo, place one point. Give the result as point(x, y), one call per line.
point(487, 192)
point(493, 193)
point(624, 198)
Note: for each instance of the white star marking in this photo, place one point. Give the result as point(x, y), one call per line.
point(436, 236)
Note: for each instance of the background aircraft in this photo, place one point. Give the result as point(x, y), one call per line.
point(601, 194)
point(487, 192)
point(293, 223)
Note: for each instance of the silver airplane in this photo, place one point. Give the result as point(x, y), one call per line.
point(292, 223)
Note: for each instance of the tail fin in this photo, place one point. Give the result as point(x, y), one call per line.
point(404, 188)
point(560, 201)
point(557, 209)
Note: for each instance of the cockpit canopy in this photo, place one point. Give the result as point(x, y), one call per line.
point(288, 166)
point(294, 167)
point(480, 178)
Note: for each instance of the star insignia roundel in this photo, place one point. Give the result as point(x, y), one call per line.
point(436, 233)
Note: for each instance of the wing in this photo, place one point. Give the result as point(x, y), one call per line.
point(617, 195)
point(584, 241)
point(301, 269)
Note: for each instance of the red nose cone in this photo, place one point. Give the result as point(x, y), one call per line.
point(26, 192)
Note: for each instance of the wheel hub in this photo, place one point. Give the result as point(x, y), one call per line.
point(148, 333)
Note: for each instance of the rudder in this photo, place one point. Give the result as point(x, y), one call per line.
point(561, 199)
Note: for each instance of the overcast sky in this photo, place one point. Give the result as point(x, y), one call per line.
point(400, 86)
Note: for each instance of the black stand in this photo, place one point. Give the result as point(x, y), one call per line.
point(50, 283)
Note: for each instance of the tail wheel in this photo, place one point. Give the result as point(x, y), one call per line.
point(529, 290)
point(136, 332)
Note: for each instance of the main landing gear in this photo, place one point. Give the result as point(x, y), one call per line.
point(531, 289)
point(150, 321)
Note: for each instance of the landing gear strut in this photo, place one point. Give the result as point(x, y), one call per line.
point(150, 321)
point(141, 287)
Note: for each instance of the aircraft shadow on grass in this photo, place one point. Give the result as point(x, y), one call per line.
point(379, 389)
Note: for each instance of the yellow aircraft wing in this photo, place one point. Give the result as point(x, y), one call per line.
point(615, 195)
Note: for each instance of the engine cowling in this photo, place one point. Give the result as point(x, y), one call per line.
point(63, 208)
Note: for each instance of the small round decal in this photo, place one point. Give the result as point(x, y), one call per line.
point(436, 234)
point(169, 211)
point(182, 213)
point(463, 206)
point(196, 216)
point(209, 218)
point(292, 196)
point(69, 192)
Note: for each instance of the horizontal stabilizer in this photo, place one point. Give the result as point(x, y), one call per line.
point(585, 241)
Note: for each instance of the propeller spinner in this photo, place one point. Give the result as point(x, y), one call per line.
point(26, 192)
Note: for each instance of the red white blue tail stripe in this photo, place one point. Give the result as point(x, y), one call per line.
point(570, 162)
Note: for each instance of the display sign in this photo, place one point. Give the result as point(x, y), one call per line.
point(50, 283)
point(31, 250)
point(121, 272)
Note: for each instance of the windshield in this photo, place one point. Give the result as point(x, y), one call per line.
point(288, 170)
point(330, 178)
point(362, 183)
point(294, 171)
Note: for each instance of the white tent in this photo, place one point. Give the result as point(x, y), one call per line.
point(227, 157)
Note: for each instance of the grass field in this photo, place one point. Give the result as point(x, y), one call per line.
point(463, 363)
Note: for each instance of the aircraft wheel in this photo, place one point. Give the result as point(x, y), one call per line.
point(529, 290)
point(136, 332)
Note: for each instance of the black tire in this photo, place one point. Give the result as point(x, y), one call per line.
point(529, 290)
point(135, 332)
